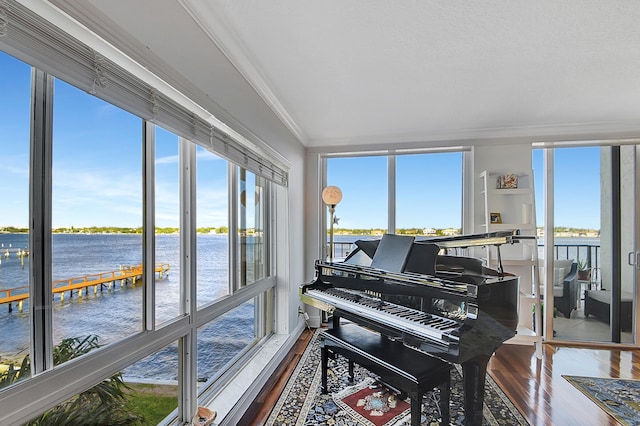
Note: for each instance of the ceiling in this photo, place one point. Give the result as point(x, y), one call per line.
point(368, 72)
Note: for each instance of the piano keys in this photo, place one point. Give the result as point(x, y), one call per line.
point(416, 322)
point(458, 314)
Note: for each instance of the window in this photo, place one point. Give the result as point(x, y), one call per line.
point(96, 200)
point(426, 197)
point(153, 383)
point(96, 217)
point(364, 185)
point(126, 397)
point(222, 341)
point(15, 86)
point(213, 227)
point(167, 223)
point(429, 193)
point(251, 230)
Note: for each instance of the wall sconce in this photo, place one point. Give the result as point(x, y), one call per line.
point(331, 196)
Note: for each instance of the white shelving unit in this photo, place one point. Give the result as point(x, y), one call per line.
point(508, 209)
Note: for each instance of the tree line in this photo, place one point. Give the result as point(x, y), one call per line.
point(113, 230)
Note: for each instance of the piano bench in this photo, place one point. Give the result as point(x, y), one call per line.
point(401, 368)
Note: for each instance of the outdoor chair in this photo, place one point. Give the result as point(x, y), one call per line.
point(565, 287)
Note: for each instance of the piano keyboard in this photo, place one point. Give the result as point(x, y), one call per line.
point(416, 322)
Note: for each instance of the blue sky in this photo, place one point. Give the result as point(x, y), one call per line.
point(576, 187)
point(97, 161)
point(98, 174)
point(428, 189)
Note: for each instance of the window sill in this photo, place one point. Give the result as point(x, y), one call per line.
point(232, 400)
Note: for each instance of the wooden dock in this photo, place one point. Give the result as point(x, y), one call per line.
point(124, 275)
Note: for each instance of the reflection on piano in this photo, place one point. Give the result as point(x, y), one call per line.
point(451, 307)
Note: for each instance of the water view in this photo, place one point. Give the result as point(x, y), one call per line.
point(112, 314)
point(115, 313)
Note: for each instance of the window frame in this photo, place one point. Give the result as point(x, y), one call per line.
point(391, 155)
point(50, 386)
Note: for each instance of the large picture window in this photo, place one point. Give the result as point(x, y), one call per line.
point(413, 194)
point(113, 191)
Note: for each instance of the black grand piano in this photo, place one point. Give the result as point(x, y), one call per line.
point(451, 307)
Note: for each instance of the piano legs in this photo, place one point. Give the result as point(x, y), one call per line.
point(474, 373)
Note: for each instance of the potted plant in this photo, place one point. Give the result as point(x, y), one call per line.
point(584, 271)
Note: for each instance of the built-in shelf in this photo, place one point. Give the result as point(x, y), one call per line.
point(509, 191)
point(516, 209)
point(507, 226)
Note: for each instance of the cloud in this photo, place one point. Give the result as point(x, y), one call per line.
point(169, 159)
point(96, 197)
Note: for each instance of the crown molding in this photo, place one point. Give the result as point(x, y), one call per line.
point(215, 27)
point(569, 132)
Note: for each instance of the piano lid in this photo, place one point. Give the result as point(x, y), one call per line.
point(473, 240)
point(340, 272)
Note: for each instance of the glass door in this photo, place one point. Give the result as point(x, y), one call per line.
point(596, 254)
point(630, 243)
point(614, 301)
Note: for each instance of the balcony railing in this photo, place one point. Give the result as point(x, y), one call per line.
point(342, 249)
point(587, 253)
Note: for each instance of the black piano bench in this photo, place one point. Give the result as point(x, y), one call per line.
point(398, 367)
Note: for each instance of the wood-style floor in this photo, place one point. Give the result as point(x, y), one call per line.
point(536, 387)
point(543, 396)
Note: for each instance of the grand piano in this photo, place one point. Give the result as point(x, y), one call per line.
point(447, 306)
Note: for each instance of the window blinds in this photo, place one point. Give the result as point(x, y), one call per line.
point(31, 38)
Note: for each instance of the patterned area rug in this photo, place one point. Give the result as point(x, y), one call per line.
point(619, 398)
point(301, 402)
point(372, 405)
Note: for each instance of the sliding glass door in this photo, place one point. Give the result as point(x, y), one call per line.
point(630, 232)
point(636, 234)
point(595, 242)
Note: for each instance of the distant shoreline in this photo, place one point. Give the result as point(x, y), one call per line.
point(559, 232)
point(112, 230)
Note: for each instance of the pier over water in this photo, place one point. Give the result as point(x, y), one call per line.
point(125, 275)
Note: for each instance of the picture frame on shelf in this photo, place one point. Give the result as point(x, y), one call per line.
point(507, 181)
point(495, 218)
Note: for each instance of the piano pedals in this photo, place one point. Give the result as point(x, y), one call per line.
point(386, 389)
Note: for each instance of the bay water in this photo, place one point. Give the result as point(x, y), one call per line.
point(117, 313)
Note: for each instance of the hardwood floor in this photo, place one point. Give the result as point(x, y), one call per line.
point(536, 387)
point(260, 409)
point(543, 396)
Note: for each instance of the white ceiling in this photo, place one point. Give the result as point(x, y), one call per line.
point(351, 72)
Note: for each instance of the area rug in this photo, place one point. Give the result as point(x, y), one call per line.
point(372, 405)
point(301, 402)
point(619, 398)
